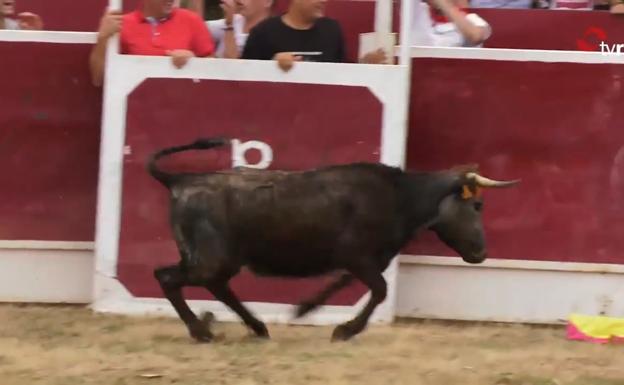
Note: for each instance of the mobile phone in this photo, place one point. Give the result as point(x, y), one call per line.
point(306, 54)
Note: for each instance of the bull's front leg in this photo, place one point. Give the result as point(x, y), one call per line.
point(373, 278)
point(172, 279)
point(222, 291)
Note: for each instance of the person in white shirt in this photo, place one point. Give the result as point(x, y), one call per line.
point(586, 5)
point(240, 16)
point(507, 4)
point(443, 23)
point(21, 21)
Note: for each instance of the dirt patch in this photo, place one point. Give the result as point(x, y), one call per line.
point(73, 346)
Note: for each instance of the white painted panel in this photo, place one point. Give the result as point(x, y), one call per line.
point(46, 276)
point(49, 37)
point(389, 83)
point(533, 292)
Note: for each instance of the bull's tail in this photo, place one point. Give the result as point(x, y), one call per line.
point(166, 178)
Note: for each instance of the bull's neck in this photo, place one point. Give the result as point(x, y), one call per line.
point(425, 192)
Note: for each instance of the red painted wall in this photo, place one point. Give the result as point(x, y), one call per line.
point(66, 15)
point(557, 126)
point(548, 29)
point(49, 142)
point(306, 126)
point(130, 5)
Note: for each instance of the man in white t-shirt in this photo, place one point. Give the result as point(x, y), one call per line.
point(506, 4)
point(21, 21)
point(444, 24)
point(240, 16)
point(586, 5)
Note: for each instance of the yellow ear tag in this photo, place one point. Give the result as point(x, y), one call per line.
point(467, 192)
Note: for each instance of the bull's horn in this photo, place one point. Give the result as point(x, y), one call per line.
point(486, 182)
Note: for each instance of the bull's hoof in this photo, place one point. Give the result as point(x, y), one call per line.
point(201, 333)
point(253, 337)
point(261, 331)
point(304, 308)
point(207, 318)
point(342, 333)
point(202, 338)
point(264, 336)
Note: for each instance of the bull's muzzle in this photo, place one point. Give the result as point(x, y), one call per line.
point(475, 258)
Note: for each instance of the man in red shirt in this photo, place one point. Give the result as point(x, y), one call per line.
point(156, 28)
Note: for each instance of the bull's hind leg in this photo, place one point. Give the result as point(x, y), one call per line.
point(172, 279)
point(190, 238)
point(310, 304)
point(372, 278)
point(212, 265)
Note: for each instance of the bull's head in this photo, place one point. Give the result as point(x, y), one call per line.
point(459, 222)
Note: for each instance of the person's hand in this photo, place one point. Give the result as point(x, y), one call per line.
point(180, 57)
point(110, 24)
point(229, 9)
point(617, 9)
point(376, 57)
point(286, 60)
point(29, 21)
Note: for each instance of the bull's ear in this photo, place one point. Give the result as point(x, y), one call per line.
point(470, 190)
point(464, 187)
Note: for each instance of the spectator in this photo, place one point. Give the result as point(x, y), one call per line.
point(446, 24)
point(302, 33)
point(21, 21)
point(585, 5)
point(509, 4)
point(616, 6)
point(240, 16)
point(157, 28)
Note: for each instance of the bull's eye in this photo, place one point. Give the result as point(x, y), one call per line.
point(478, 206)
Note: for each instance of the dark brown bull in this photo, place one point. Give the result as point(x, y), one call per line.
point(350, 218)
